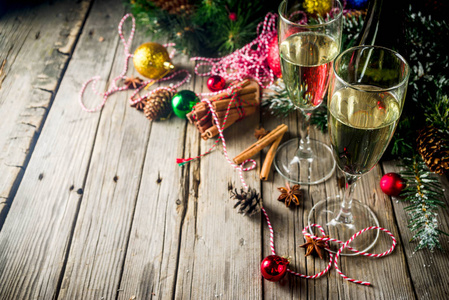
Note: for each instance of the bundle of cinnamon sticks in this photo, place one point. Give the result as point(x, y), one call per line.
point(248, 92)
point(273, 138)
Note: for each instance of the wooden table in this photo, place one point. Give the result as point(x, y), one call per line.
point(93, 205)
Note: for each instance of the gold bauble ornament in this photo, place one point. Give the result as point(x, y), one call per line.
point(152, 60)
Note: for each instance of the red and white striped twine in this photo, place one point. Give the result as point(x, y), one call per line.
point(331, 256)
point(114, 88)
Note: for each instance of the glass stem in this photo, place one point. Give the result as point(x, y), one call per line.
point(305, 151)
point(345, 214)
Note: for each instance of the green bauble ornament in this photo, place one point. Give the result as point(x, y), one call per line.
point(183, 102)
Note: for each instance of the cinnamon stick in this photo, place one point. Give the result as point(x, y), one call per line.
point(204, 120)
point(191, 117)
point(247, 100)
point(249, 94)
point(266, 167)
point(260, 144)
point(234, 112)
point(244, 84)
point(202, 108)
point(213, 130)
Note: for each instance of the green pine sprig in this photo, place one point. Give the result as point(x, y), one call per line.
point(437, 114)
point(319, 118)
point(278, 101)
point(352, 26)
point(424, 194)
point(206, 29)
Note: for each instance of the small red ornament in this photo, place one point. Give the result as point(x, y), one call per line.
point(274, 267)
point(233, 16)
point(392, 184)
point(216, 83)
point(273, 59)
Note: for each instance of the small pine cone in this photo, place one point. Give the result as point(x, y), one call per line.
point(433, 150)
point(158, 105)
point(249, 202)
point(175, 6)
point(187, 9)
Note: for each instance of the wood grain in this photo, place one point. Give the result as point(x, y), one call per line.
point(219, 254)
point(35, 47)
point(52, 187)
point(104, 220)
point(151, 262)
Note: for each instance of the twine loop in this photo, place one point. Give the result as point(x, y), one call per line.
point(331, 255)
point(127, 55)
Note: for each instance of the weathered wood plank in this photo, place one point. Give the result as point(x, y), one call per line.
point(286, 222)
point(220, 249)
point(33, 253)
point(35, 47)
point(99, 244)
point(429, 271)
point(151, 261)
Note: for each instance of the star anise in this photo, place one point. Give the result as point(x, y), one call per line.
point(139, 105)
point(133, 82)
point(289, 195)
point(314, 246)
point(260, 133)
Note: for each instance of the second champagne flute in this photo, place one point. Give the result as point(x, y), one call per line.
point(309, 40)
point(366, 97)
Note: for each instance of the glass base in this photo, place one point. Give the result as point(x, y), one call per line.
point(324, 212)
point(305, 168)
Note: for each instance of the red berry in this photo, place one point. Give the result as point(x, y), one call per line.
point(392, 184)
point(233, 16)
point(216, 83)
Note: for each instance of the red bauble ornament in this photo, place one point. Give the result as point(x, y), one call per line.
point(274, 267)
point(233, 16)
point(392, 184)
point(273, 59)
point(216, 83)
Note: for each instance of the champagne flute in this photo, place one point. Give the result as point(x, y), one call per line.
point(309, 40)
point(366, 97)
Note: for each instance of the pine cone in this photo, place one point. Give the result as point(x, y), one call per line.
point(158, 105)
point(177, 7)
point(433, 150)
point(249, 202)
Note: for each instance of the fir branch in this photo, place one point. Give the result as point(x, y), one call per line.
point(319, 118)
point(423, 192)
point(437, 114)
point(277, 100)
point(352, 26)
point(429, 61)
point(207, 10)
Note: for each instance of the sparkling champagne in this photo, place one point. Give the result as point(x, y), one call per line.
point(306, 60)
point(361, 125)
